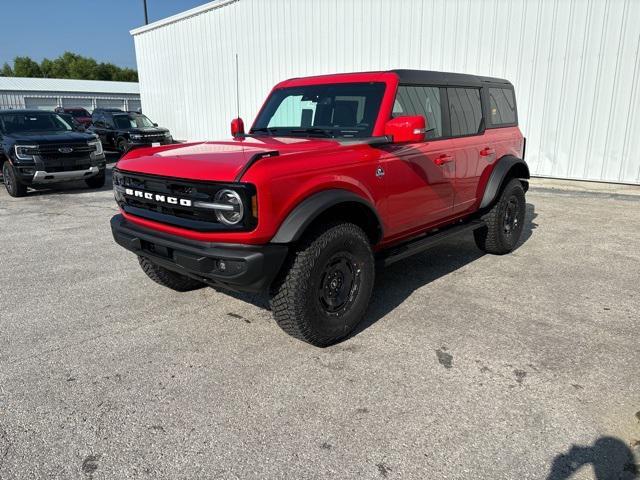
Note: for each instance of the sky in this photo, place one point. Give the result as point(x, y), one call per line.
point(94, 28)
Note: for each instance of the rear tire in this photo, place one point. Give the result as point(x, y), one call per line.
point(504, 222)
point(167, 278)
point(324, 290)
point(97, 181)
point(11, 182)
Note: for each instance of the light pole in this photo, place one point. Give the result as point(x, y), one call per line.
point(146, 17)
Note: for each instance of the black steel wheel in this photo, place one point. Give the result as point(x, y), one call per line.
point(339, 284)
point(504, 221)
point(324, 289)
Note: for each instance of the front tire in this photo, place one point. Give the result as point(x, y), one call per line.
point(504, 222)
point(122, 146)
point(167, 278)
point(11, 182)
point(324, 291)
point(97, 181)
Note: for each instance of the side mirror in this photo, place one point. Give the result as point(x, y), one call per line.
point(406, 129)
point(155, 124)
point(237, 127)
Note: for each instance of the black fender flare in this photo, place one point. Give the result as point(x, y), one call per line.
point(500, 172)
point(292, 228)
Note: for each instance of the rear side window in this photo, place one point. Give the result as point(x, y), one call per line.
point(425, 101)
point(465, 111)
point(502, 106)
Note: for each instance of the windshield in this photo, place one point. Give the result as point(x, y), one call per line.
point(334, 110)
point(132, 121)
point(32, 122)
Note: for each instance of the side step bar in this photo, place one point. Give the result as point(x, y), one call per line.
point(402, 251)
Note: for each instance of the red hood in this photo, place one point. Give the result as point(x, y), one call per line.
point(221, 161)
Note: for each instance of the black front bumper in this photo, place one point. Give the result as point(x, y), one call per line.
point(42, 171)
point(249, 268)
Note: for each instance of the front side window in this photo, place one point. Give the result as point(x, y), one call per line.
point(465, 111)
point(333, 110)
point(425, 101)
point(502, 106)
point(131, 121)
point(32, 122)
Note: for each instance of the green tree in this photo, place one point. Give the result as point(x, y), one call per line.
point(69, 65)
point(6, 70)
point(25, 67)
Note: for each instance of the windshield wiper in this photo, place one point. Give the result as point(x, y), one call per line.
point(321, 131)
point(269, 130)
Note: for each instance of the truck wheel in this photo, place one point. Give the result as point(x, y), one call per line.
point(122, 146)
point(504, 222)
point(324, 291)
point(167, 278)
point(11, 182)
point(97, 181)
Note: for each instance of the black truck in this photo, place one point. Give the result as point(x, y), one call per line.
point(39, 147)
point(123, 131)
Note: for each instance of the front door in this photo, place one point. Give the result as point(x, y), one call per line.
point(418, 177)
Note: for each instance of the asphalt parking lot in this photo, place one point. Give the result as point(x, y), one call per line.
point(469, 366)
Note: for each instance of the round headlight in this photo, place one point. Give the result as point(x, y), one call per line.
point(232, 215)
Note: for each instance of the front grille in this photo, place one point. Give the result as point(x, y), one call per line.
point(52, 150)
point(153, 137)
point(200, 219)
point(68, 165)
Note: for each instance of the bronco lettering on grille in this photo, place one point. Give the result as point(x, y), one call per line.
point(156, 197)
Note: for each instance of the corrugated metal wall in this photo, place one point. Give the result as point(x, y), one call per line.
point(16, 99)
point(575, 65)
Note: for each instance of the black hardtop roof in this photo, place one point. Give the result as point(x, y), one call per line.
point(426, 77)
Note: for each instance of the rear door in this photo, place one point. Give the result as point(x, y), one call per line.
point(467, 127)
point(418, 176)
point(502, 135)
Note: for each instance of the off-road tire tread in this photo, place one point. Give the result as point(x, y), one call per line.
point(286, 299)
point(19, 189)
point(167, 278)
point(489, 239)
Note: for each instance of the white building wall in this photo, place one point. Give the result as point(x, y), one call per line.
point(575, 65)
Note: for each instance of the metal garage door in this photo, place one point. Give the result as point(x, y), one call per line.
point(41, 103)
point(110, 103)
point(78, 102)
point(134, 105)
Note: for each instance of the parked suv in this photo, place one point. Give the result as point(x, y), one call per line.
point(40, 147)
point(79, 114)
point(338, 173)
point(123, 131)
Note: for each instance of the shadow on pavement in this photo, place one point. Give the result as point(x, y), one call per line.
point(396, 283)
point(609, 457)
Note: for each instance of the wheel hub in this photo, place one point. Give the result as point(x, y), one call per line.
point(510, 221)
point(339, 283)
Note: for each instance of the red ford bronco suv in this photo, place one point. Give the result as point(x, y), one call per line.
point(337, 174)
